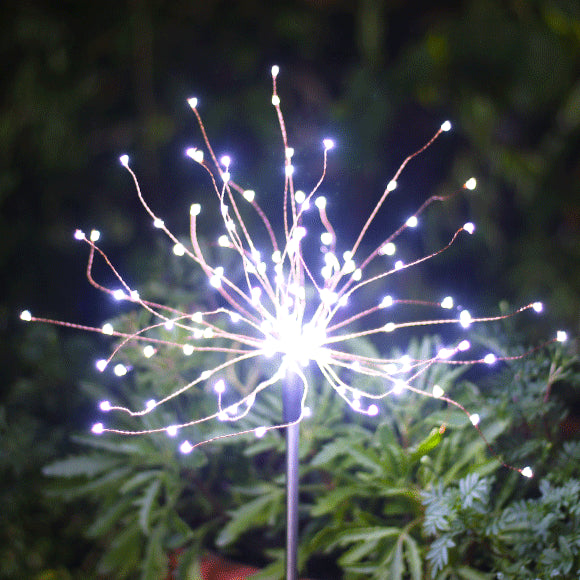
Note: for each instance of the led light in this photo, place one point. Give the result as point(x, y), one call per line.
point(289, 152)
point(538, 306)
point(399, 386)
point(149, 405)
point(388, 249)
point(392, 185)
point(320, 202)
point(447, 302)
point(169, 324)
point(148, 351)
point(26, 316)
point(356, 404)
point(326, 238)
point(474, 419)
point(157, 223)
point(179, 249)
point(220, 387)
point(389, 327)
point(275, 70)
point(299, 196)
point(187, 349)
point(386, 302)
point(438, 391)
point(275, 100)
point(489, 359)
point(101, 364)
point(197, 317)
point(120, 370)
point(412, 222)
point(79, 235)
point(464, 345)
point(469, 227)
point(471, 183)
point(465, 319)
point(226, 176)
point(172, 430)
point(249, 195)
point(195, 209)
point(195, 154)
point(98, 428)
point(95, 235)
point(134, 295)
point(119, 294)
point(224, 241)
point(561, 336)
point(445, 353)
point(226, 161)
point(107, 328)
point(186, 447)
point(373, 410)
point(124, 159)
point(399, 265)
point(446, 126)
point(105, 406)
point(192, 102)
point(259, 432)
point(527, 472)
point(328, 144)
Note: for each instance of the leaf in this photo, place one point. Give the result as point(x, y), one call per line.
point(252, 514)
point(329, 502)
point(432, 440)
point(413, 557)
point(87, 465)
point(108, 518)
point(146, 503)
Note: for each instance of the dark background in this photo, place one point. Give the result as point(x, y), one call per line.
point(83, 82)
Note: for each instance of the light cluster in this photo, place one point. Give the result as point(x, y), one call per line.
point(288, 303)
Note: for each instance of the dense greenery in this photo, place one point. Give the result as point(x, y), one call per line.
point(83, 82)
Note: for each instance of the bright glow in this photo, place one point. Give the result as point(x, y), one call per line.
point(226, 161)
point(172, 430)
point(120, 370)
point(148, 351)
point(119, 294)
point(79, 235)
point(157, 223)
point(124, 159)
point(447, 302)
point(95, 235)
point(527, 472)
point(399, 264)
point(169, 324)
point(465, 319)
point(300, 197)
point(490, 359)
point(388, 249)
point(386, 302)
point(26, 316)
point(260, 432)
point(538, 306)
point(328, 143)
point(320, 202)
point(561, 336)
point(474, 419)
point(187, 349)
point(471, 183)
point(195, 209)
point(389, 327)
point(399, 386)
point(446, 126)
point(445, 353)
point(107, 328)
point(179, 249)
point(249, 195)
point(192, 102)
point(151, 404)
point(186, 447)
point(98, 428)
point(373, 410)
point(464, 345)
point(392, 185)
point(469, 227)
point(220, 387)
point(412, 222)
point(105, 406)
point(438, 391)
point(275, 70)
point(195, 154)
point(276, 100)
point(326, 238)
point(101, 365)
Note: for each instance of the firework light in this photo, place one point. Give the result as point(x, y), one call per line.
point(285, 306)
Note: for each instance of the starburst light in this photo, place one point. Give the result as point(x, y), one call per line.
point(287, 306)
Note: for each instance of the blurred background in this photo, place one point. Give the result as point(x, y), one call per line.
point(84, 82)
